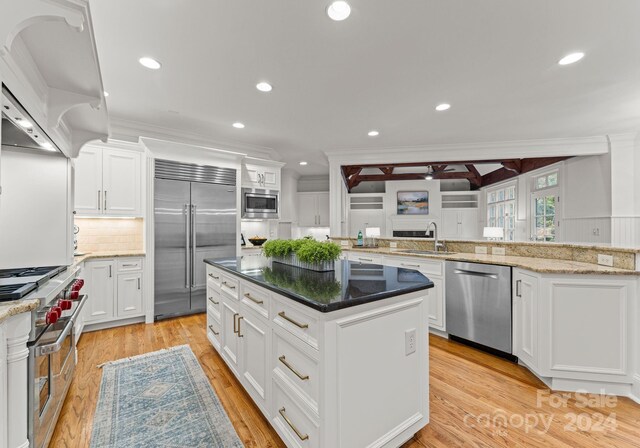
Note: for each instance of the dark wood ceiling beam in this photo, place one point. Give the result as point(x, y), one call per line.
point(412, 176)
point(527, 165)
point(513, 165)
point(476, 180)
point(387, 169)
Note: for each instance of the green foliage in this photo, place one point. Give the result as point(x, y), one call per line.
point(307, 250)
point(314, 285)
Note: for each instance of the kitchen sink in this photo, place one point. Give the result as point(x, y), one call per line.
point(426, 252)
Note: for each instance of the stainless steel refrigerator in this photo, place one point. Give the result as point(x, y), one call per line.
point(195, 218)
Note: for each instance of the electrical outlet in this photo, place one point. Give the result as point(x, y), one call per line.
point(605, 260)
point(410, 341)
point(481, 250)
point(393, 245)
point(498, 251)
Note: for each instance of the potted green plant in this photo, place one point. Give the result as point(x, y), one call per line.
point(305, 253)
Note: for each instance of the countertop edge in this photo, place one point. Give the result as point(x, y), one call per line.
point(321, 308)
point(10, 309)
point(116, 254)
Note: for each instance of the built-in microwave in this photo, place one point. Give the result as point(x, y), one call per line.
point(260, 204)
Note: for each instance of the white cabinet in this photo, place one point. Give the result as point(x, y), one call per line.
point(525, 318)
point(230, 344)
point(459, 224)
point(253, 333)
point(100, 287)
point(313, 209)
point(114, 287)
point(108, 181)
point(263, 174)
point(366, 210)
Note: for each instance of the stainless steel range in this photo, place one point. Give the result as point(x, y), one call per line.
point(52, 356)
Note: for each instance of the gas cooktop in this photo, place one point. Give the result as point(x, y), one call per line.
point(17, 283)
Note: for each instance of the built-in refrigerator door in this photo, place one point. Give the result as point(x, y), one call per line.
point(214, 210)
point(172, 248)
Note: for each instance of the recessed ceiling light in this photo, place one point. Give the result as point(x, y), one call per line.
point(150, 63)
point(264, 87)
point(338, 10)
point(571, 58)
point(373, 133)
point(238, 125)
point(24, 123)
point(106, 94)
point(303, 163)
point(443, 106)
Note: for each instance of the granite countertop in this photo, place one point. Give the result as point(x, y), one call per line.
point(8, 309)
point(108, 254)
point(542, 265)
point(350, 284)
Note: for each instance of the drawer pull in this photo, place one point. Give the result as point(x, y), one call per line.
point(290, 423)
point(408, 265)
point(228, 285)
point(213, 301)
point(284, 361)
point(297, 324)
point(235, 328)
point(239, 319)
point(253, 299)
point(214, 277)
point(214, 331)
point(129, 265)
point(365, 259)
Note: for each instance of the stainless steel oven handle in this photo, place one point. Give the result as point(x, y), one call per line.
point(56, 346)
point(475, 273)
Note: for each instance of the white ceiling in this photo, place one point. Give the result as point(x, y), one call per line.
point(386, 67)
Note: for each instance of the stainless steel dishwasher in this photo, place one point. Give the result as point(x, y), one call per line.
point(478, 302)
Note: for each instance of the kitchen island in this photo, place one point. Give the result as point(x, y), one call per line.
point(332, 359)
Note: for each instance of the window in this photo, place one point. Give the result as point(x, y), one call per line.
point(501, 210)
point(544, 212)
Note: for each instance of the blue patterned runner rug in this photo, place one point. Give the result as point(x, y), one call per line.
point(160, 399)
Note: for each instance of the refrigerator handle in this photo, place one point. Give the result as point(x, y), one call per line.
point(193, 245)
point(186, 246)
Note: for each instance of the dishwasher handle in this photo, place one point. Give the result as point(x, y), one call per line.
point(476, 273)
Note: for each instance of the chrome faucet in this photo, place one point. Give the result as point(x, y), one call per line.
point(436, 244)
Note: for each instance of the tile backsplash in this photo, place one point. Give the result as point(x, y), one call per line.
point(109, 234)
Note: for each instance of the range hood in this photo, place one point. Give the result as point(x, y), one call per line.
point(19, 129)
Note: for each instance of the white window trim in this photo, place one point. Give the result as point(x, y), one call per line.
point(501, 186)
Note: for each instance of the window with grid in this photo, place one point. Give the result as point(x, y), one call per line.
point(544, 199)
point(501, 210)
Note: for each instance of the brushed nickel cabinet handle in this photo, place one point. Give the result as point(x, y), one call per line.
point(518, 283)
point(214, 277)
point(408, 265)
point(283, 360)
point(240, 335)
point(99, 201)
point(365, 259)
point(235, 328)
point(138, 282)
point(105, 200)
point(128, 265)
point(228, 285)
point(213, 301)
point(253, 299)
point(297, 324)
point(213, 331)
point(290, 423)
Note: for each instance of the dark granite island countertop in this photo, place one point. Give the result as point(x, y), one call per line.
point(352, 283)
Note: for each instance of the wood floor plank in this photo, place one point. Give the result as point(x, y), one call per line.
point(465, 385)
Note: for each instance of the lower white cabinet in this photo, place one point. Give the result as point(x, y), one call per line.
point(525, 318)
point(230, 342)
point(115, 290)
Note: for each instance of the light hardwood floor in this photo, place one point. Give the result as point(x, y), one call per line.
point(466, 387)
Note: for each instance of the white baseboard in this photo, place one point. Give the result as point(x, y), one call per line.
point(635, 389)
point(112, 324)
point(442, 334)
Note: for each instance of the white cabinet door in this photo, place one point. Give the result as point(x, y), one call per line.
point(449, 227)
point(230, 344)
point(253, 333)
point(99, 285)
point(121, 182)
point(468, 227)
point(436, 304)
point(525, 318)
point(88, 182)
point(271, 178)
point(251, 176)
point(129, 296)
point(323, 209)
point(307, 210)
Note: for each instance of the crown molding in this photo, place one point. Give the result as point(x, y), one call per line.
point(580, 146)
point(131, 130)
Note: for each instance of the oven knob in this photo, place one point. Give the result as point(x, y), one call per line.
point(65, 304)
point(58, 310)
point(51, 317)
point(77, 285)
point(70, 295)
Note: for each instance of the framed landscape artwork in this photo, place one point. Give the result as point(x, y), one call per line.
point(413, 202)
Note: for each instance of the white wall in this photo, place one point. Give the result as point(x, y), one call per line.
point(415, 222)
point(313, 183)
point(288, 196)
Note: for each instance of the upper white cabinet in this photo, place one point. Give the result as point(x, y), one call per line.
point(366, 210)
point(108, 181)
point(263, 174)
point(460, 215)
point(313, 209)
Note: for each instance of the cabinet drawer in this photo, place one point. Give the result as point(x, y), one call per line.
point(129, 264)
point(292, 422)
point(213, 303)
point(365, 258)
point(296, 369)
point(214, 276)
point(296, 322)
point(256, 298)
point(213, 331)
point(432, 267)
point(229, 285)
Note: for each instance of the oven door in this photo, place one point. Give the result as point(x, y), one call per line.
point(260, 204)
point(51, 367)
